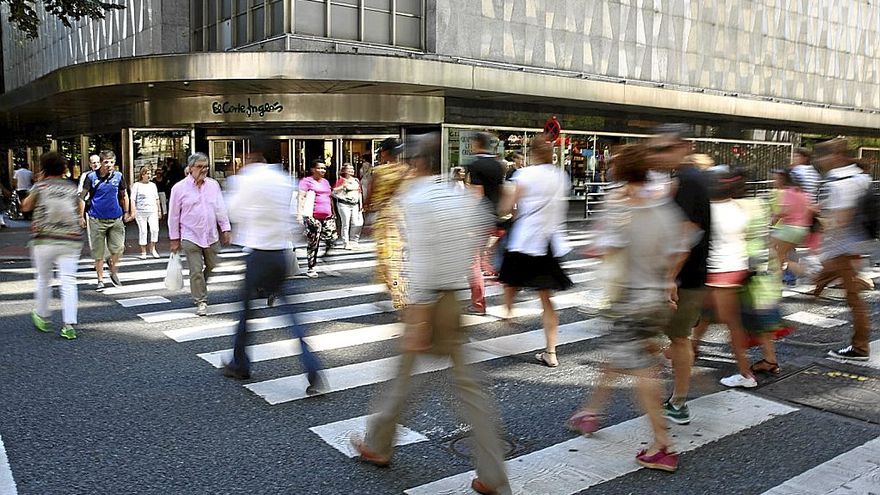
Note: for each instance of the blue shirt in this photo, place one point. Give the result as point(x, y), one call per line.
point(104, 195)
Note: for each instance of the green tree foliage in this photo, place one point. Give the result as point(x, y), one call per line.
point(23, 13)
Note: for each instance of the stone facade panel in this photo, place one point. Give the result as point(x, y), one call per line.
point(817, 51)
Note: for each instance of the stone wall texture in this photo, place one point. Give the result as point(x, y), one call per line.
point(144, 27)
point(818, 51)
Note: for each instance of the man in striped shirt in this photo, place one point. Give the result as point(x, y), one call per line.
point(842, 238)
point(442, 227)
point(805, 175)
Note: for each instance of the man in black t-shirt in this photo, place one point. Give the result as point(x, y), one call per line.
point(486, 175)
point(668, 150)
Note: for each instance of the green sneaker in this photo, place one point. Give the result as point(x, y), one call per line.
point(678, 415)
point(68, 332)
point(39, 322)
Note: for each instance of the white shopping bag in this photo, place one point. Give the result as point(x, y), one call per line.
point(293, 268)
point(174, 273)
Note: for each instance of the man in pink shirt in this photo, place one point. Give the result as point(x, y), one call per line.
point(197, 222)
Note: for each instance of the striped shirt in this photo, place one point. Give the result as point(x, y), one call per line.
point(443, 228)
point(842, 190)
point(807, 178)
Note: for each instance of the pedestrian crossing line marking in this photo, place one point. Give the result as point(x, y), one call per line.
point(7, 482)
point(133, 276)
point(372, 334)
point(218, 309)
point(807, 318)
point(292, 388)
point(132, 259)
point(338, 434)
point(223, 267)
point(872, 362)
point(575, 465)
point(142, 301)
point(325, 342)
point(216, 279)
point(213, 330)
point(855, 471)
point(154, 286)
point(307, 297)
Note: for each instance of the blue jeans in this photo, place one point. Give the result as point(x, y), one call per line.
point(267, 271)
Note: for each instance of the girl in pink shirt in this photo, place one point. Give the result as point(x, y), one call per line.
point(792, 219)
point(316, 214)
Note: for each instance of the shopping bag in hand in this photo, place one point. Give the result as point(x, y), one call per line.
point(174, 273)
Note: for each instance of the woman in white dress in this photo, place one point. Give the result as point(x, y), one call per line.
point(147, 211)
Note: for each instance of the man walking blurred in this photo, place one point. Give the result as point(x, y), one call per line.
point(842, 238)
point(264, 205)
point(440, 223)
point(486, 175)
point(667, 152)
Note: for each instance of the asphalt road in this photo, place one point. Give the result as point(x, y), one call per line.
point(126, 409)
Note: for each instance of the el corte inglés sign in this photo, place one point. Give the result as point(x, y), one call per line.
point(248, 109)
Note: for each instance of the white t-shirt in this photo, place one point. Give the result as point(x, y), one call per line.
point(145, 197)
point(727, 246)
point(541, 210)
point(24, 179)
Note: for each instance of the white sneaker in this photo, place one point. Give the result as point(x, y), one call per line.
point(738, 380)
point(155, 254)
point(312, 274)
point(143, 256)
point(202, 309)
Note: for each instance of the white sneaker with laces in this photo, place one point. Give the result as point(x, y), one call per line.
point(202, 309)
point(738, 380)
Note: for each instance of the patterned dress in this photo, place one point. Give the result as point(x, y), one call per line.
point(385, 183)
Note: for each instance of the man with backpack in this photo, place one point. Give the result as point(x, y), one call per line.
point(105, 192)
point(846, 219)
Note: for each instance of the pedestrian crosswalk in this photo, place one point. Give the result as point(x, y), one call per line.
point(355, 319)
point(577, 464)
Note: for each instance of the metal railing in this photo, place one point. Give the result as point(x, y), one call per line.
point(594, 198)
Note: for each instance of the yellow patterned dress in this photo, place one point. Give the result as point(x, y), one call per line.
point(385, 183)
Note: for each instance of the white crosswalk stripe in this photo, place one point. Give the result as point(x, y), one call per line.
point(291, 388)
point(855, 471)
point(7, 482)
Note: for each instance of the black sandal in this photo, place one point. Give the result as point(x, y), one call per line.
point(764, 366)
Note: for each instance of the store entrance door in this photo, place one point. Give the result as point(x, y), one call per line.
point(357, 152)
point(278, 152)
point(308, 150)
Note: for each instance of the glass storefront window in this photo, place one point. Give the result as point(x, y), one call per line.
point(225, 159)
point(69, 148)
point(152, 148)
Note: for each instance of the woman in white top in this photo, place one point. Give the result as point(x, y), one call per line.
point(350, 205)
point(728, 268)
point(147, 211)
point(535, 240)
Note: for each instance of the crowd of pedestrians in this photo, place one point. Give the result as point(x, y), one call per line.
point(681, 244)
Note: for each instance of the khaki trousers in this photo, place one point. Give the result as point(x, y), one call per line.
point(477, 410)
point(201, 262)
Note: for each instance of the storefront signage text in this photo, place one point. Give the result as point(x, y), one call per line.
point(248, 109)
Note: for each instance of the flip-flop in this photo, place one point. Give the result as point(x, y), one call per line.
point(540, 357)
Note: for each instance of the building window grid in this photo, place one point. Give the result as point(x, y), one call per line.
point(208, 32)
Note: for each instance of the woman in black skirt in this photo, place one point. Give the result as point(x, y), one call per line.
point(536, 241)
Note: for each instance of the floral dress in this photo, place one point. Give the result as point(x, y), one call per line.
point(385, 183)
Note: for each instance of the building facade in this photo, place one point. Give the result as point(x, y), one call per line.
point(328, 78)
